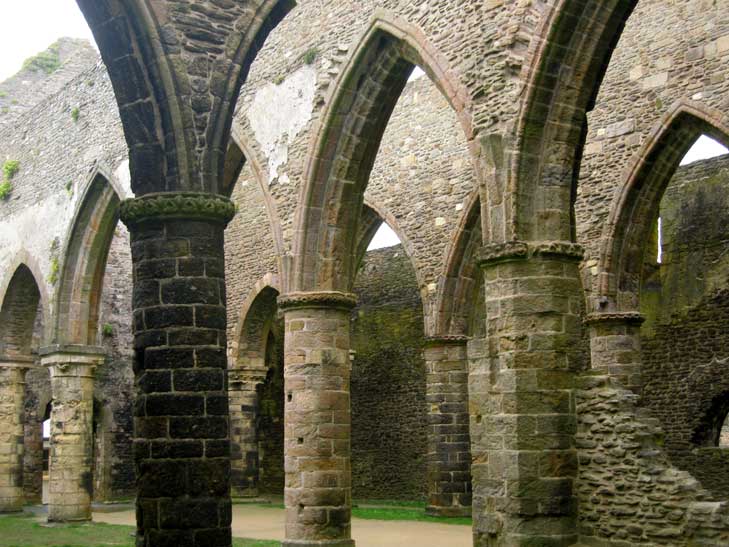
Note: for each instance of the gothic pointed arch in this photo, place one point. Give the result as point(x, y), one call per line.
point(255, 321)
point(569, 57)
point(238, 156)
point(84, 262)
point(346, 144)
point(177, 86)
point(459, 288)
point(636, 207)
point(22, 300)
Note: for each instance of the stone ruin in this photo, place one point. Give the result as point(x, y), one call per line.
point(187, 294)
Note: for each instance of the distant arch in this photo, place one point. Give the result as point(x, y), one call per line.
point(84, 262)
point(239, 155)
point(346, 143)
point(255, 319)
point(635, 208)
point(22, 300)
point(460, 284)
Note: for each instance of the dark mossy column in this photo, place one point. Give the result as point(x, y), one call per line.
point(449, 451)
point(181, 429)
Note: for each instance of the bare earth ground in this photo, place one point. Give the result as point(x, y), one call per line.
point(268, 523)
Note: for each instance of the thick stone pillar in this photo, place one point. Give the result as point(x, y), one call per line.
point(181, 428)
point(525, 463)
point(243, 431)
point(449, 450)
point(70, 472)
point(12, 396)
point(317, 419)
point(615, 347)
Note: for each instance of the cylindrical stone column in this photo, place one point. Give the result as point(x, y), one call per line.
point(317, 419)
point(181, 428)
point(525, 465)
point(70, 472)
point(12, 395)
point(449, 450)
point(615, 347)
point(243, 430)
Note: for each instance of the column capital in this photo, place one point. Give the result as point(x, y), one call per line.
point(317, 299)
point(16, 361)
point(177, 205)
point(510, 251)
point(68, 359)
point(621, 318)
point(256, 375)
point(446, 340)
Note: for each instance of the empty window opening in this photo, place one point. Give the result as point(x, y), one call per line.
point(703, 149)
point(384, 237)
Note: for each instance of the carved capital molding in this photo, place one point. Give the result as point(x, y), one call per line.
point(320, 299)
point(511, 251)
point(180, 205)
point(238, 377)
point(447, 340)
point(625, 318)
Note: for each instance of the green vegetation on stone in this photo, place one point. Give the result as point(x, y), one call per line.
point(10, 169)
point(47, 61)
point(107, 330)
point(75, 112)
point(53, 277)
point(310, 56)
point(28, 530)
point(5, 189)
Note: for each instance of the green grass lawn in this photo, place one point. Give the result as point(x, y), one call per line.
point(29, 531)
point(393, 510)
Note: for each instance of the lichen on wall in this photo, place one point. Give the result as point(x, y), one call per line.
point(279, 112)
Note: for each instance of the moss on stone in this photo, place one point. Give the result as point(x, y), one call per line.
point(47, 61)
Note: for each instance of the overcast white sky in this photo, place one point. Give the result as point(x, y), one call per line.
point(30, 26)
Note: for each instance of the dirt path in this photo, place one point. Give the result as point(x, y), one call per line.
point(268, 523)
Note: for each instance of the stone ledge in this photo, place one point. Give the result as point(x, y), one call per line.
point(632, 318)
point(447, 340)
point(321, 299)
point(177, 205)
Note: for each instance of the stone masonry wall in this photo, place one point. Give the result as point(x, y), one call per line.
point(389, 412)
point(685, 339)
point(389, 420)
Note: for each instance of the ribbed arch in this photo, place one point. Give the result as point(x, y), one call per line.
point(346, 145)
point(84, 263)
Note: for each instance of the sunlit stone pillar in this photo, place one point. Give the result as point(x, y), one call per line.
point(317, 419)
point(70, 489)
point(12, 393)
point(615, 346)
point(243, 400)
point(522, 395)
point(449, 454)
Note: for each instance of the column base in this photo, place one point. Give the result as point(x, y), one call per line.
point(62, 516)
point(317, 543)
point(450, 512)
